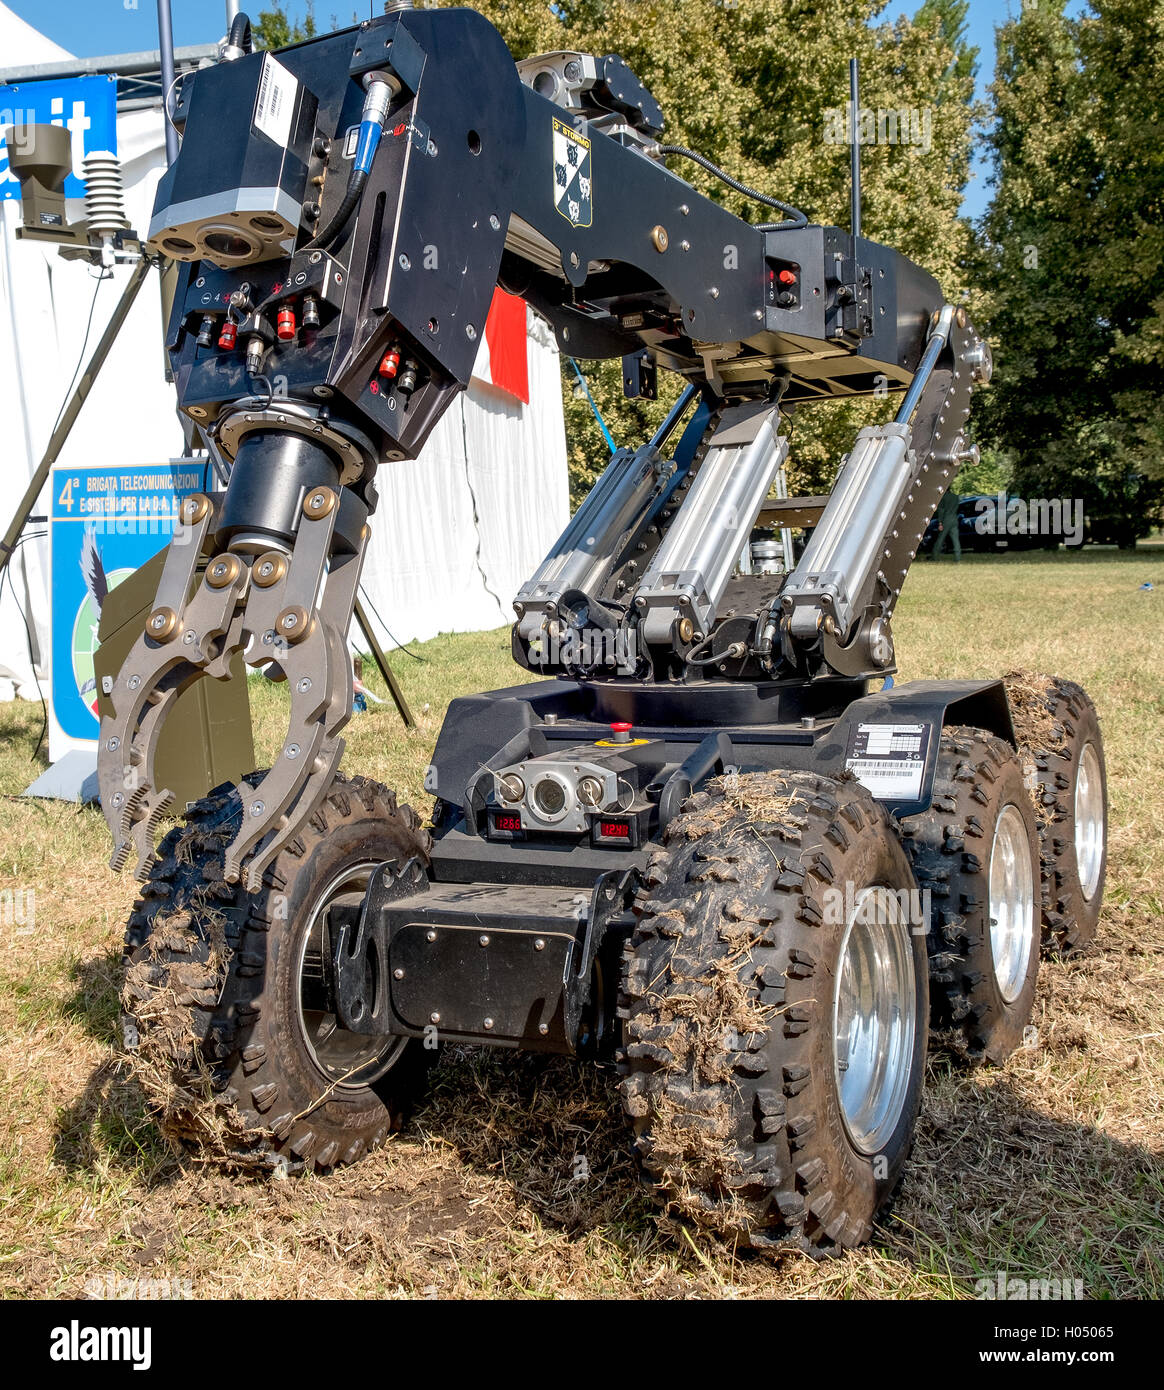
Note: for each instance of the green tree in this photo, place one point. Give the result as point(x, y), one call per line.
point(275, 29)
point(1074, 257)
point(755, 85)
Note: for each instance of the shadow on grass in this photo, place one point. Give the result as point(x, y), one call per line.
point(994, 1185)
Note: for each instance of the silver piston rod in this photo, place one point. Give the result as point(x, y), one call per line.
point(583, 554)
point(840, 562)
point(688, 574)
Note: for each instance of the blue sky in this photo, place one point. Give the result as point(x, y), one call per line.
point(91, 27)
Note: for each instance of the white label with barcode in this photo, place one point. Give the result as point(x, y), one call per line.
point(889, 759)
point(275, 103)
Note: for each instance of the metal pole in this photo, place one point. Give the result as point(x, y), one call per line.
point(385, 670)
point(72, 410)
point(166, 48)
point(855, 151)
point(231, 11)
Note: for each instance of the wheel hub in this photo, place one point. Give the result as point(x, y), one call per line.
point(1012, 902)
point(874, 1018)
point(1089, 826)
point(350, 1061)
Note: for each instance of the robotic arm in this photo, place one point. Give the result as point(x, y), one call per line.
point(343, 211)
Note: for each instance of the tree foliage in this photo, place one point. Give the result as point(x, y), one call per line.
point(753, 84)
point(1074, 259)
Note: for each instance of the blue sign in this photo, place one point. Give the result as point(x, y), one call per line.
point(85, 106)
point(106, 523)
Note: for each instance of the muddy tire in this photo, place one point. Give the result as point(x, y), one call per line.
point(1071, 807)
point(739, 1021)
point(975, 852)
point(225, 1005)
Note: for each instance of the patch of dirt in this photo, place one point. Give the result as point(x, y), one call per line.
point(179, 972)
point(1034, 724)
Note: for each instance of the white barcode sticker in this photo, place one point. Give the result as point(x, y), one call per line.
point(275, 104)
point(889, 759)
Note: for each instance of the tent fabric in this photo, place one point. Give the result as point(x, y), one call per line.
point(456, 531)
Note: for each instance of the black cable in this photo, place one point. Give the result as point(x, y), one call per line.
point(81, 356)
point(376, 614)
point(240, 33)
point(798, 218)
point(352, 197)
point(265, 381)
point(7, 575)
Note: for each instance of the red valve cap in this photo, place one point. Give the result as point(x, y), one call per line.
point(285, 325)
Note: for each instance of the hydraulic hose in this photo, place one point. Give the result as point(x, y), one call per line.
point(795, 216)
point(380, 89)
point(240, 32)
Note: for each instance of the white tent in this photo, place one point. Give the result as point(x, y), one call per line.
point(456, 531)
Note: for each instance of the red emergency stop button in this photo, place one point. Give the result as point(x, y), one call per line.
point(787, 277)
point(621, 732)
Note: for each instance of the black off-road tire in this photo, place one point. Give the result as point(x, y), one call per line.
point(211, 996)
point(1070, 916)
point(949, 846)
point(731, 1081)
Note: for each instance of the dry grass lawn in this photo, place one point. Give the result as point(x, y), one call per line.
point(1048, 1167)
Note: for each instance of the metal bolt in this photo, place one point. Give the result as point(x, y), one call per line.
point(398, 974)
point(292, 750)
point(434, 1018)
point(494, 222)
point(543, 1029)
point(488, 1024)
point(304, 685)
point(430, 936)
point(133, 682)
point(189, 638)
point(257, 808)
point(114, 744)
point(483, 940)
point(574, 262)
point(539, 944)
point(404, 262)
point(470, 332)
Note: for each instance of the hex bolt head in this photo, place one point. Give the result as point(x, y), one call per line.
point(488, 1024)
point(257, 808)
point(483, 940)
point(539, 944)
point(434, 1018)
point(430, 936)
point(398, 974)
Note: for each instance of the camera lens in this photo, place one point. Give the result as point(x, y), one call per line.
point(550, 797)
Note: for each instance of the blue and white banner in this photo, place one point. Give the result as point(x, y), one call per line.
point(85, 106)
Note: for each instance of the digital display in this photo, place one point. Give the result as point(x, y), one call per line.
point(507, 822)
point(614, 829)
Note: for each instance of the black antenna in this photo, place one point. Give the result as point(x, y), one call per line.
point(855, 150)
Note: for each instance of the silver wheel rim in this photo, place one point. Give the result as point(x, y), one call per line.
point(350, 1061)
point(1089, 825)
point(1012, 902)
point(874, 1018)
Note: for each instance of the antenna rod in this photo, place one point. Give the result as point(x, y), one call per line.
point(166, 52)
point(855, 151)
